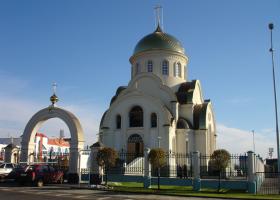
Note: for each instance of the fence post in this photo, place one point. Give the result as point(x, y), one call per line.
point(251, 173)
point(147, 169)
point(196, 171)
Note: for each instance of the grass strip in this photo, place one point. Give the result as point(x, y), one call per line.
point(135, 187)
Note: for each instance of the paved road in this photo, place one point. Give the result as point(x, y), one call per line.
point(63, 193)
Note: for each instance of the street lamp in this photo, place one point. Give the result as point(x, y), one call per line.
point(271, 26)
point(159, 138)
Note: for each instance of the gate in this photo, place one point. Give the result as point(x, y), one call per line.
point(270, 184)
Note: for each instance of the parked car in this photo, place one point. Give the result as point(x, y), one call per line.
point(15, 173)
point(40, 174)
point(5, 169)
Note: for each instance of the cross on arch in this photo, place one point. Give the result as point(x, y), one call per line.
point(54, 87)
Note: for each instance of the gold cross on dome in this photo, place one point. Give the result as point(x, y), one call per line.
point(158, 13)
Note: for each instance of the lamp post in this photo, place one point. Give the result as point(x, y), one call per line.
point(159, 138)
point(271, 26)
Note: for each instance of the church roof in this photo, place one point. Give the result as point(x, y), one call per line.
point(119, 90)
point(58, 142)
point(16, 141)
point(199, 115)
point(158, 40)
point(40, 135)
point(102, 119)
point(97, 144)
point(185, 92)
point(11, 146)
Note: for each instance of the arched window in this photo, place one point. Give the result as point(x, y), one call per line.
point(182, 124)
point(165, 67)
point(118, 122)
point(177, 70)
point(150, 66)
point(137, 68)
point(136, 117)
point(153, 120)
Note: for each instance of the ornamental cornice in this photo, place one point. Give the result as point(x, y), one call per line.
point(158, 53)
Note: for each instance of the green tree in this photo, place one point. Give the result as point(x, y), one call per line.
point(157, 159)
point(106, 158)
point(219, 161)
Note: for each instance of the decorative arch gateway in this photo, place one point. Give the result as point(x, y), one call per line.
point(34, 124)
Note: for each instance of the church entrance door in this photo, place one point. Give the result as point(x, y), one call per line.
point(135, 147)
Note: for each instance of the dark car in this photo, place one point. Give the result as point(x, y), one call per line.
point(15, 173)
point(40, 174)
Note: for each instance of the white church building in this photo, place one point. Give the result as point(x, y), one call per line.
point(160, 107)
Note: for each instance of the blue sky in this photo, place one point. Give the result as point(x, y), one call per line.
point(84, 46)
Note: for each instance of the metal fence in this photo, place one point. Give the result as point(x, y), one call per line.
point(176, 165)
point(270, 184)
point(236, 167)
point(180, 165)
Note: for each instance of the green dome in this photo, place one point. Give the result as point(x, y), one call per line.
point(159, 40)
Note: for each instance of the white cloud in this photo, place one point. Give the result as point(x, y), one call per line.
point(240, 141)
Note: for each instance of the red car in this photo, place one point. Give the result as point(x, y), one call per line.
point(39, 174)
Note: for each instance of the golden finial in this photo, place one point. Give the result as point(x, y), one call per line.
point(54, 99)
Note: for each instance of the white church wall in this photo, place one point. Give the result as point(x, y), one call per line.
point(108, 138)
point(123, 107)
point(181, 140)
point(172, 139)
point(153, 138)
point(186, 111)
point(149, 84)
point(175, 110)
point(200, 141)
point(191, 140)
point(197, 94)
point(117, 139)
point(211, 129)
